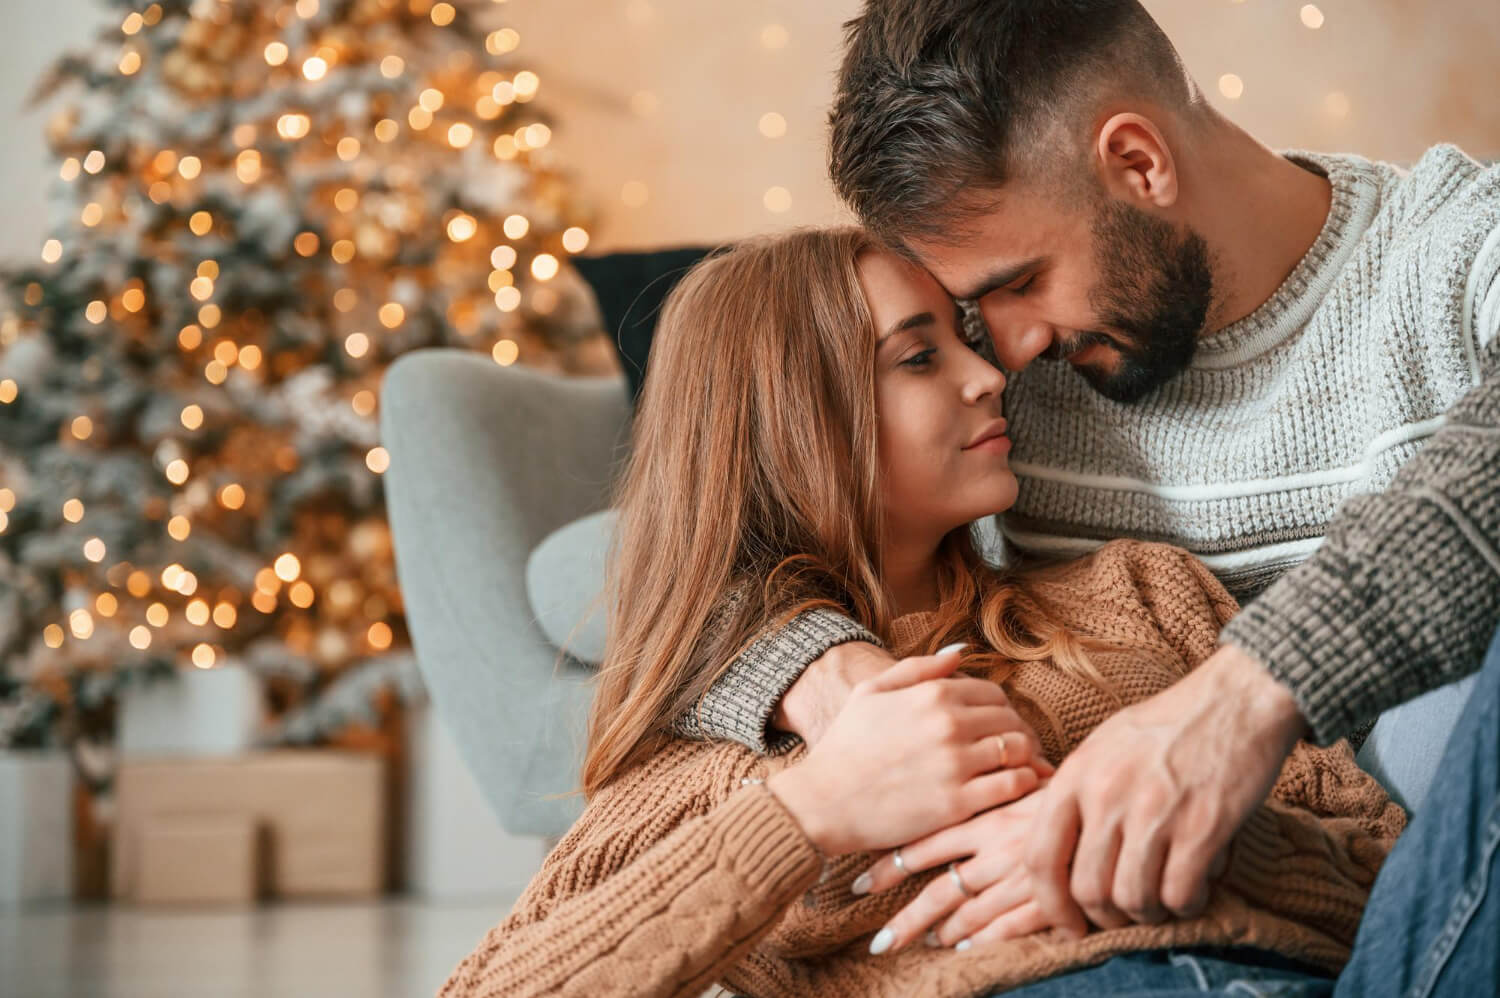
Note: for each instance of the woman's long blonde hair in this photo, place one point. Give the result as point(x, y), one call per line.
point(753, 494)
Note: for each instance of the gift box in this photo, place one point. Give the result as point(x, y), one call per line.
point(36, 826)
point(197, 712)
point(206, 859)
point(320, 817)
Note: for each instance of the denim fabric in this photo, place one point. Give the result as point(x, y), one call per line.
point(1431, 928)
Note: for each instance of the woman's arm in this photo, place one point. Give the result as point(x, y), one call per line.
point(636, 901)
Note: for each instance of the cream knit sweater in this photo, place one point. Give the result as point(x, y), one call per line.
point(678, 875)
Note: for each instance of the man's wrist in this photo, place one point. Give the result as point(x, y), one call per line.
point(1270, 705)
point(813, 700)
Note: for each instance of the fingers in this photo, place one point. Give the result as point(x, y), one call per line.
point(979, 913)
point(998, 749)
point(1093, 877)
point(918, 669)
point(941, 847)
point(1184, 882)
point(1022, 920)
point(992, 789)
point(1049, 852)
point(937, 900)
point(1137, 884)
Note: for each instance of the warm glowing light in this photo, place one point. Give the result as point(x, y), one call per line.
point(215, 373)
point(250, 357)
point(575, 240)
point(526, 84)
point(502, 41)
point(306, 243)
point(276, 53)
point(419, 118)
point(506, 352)
point(53, 636)
point(516, 226)
point(537, 135)
point(93, 214)
point(209, 316)
point(307, 9)
point(130, 62)
point(378, 460)
point(140, 637)
point(503, 93)
point(225, 616)
point(201, 223)
point(197, 612)
point(94, 550)
point(96, 312)
point(772, 125)
point(8, 391)
point(192, 416)
point(177, 471)
point(778, 200)
point(348, 148)
point(8, 496)
point(347, 199)
point(179, 528)
point(392, 66)
point(461, 227)
point(189, 167)
point(293, 126)
point(442, 14)
point(430, 99)
point(505, 147)
point(1312, 16)
point(160, 192)
point(544, 266)
point(204, 656)
point(314, 68)
point(201, 288)
point(133, 23)
point(190, 337)
point(634, 193)
point(301, 594)
point(502, 257)
point(460, 135)
point(69, 169)
point(139, 583)
point(500, 279)
point(81, 623)
point(391, 314)
point(73, 510)
point(157, 615)
point(342, 251)
point(82, 427)
point(247, 166)
point(287, 567)
point(508, 299)
point(232, 496)
point(363, 402)
point(386, 130)
point(106, 605)
point(379, 635)
point(357, 344)
point(1231, 86)
point(93, 162)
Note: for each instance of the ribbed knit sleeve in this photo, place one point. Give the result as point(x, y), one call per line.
point(739, 706)
point(635, 901)
point(1404, 594)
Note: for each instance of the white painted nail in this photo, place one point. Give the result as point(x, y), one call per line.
point(956, 646)
point(882, 942)
point(862, 884)
point(962, 945)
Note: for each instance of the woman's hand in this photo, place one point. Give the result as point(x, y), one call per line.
point(999, 903)
point(914, 750)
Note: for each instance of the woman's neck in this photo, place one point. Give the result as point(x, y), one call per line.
point(911, 577)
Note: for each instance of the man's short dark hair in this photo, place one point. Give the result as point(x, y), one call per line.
point(941, 101)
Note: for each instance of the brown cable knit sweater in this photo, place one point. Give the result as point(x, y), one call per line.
point(677, 875)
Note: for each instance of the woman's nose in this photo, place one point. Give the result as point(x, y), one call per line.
point(985, 379)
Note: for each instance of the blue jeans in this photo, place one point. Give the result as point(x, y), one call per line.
point(1432, 925)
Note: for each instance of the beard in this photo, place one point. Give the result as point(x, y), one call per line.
point(1156, 288)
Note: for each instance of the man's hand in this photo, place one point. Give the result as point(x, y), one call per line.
point(816, 698)
point(1138, 814)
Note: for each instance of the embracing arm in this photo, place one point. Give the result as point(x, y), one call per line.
point(666, 920)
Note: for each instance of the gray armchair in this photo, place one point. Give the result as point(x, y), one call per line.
point(486, 461)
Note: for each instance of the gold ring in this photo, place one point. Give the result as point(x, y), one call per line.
point(958, 880)
point(1004, 752)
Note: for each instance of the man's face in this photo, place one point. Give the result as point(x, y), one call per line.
point(1120, 294)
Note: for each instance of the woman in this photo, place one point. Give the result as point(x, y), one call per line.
point(819, 430)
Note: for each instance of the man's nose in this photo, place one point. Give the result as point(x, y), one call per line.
point(1019, 343)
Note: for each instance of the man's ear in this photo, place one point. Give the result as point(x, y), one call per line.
point(1134, 163)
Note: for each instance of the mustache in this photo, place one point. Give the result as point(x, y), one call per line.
point(1061, 349)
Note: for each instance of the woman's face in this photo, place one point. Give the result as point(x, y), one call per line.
point(943, 449)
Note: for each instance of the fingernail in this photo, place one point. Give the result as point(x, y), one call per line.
point(932, 940)
point(882, 942)
point(962, 945)
point(862, 884)
point(956, 646)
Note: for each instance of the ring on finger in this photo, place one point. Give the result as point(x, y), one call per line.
point(1004, 752)
point(959, 881)
point(900, 864)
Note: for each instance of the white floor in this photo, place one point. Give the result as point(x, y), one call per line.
point(394, 949)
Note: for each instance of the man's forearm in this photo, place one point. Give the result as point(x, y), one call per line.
point(1404, 594)
point(740, 705)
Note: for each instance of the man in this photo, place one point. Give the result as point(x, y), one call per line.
point(1287, 364)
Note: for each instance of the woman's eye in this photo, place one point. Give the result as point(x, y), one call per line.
point(919, 359)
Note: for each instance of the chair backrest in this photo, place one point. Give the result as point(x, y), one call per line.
point(485, 462)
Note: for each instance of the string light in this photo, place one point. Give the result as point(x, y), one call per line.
point(392, 66)
point(430, 99)
point(391, 314)
point(526, 85)
point(94, 550)
point(502, 42)
point(276, 53)
point(232, 496)
point(505, 352)
point(73, 511)
point(357, 345)
point(442, 14)
point(544, 266)
point(93, 162)
point(204, 655)
point(378, 460)
point(1312, 16)
point(192, 416)
point(516, 226)
point(348, 148)
point(51, 251)
point(574, 240)
point(314, 68)
point(508, 299)
point(1231, 86)
point(461, 227)
point(82, 427)
point(293, 126)
point(460, 135)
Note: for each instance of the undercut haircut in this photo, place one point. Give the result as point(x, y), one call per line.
point(939, 103)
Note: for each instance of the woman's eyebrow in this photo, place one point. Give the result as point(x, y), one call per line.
point(910, 322)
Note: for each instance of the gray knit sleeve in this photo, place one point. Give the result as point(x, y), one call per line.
point(739, 706)
point(1404, 594)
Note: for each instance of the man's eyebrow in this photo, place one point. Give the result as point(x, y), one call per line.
point(1000, 278)
point(910, 322)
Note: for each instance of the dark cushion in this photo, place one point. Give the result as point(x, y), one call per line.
point(630, 288)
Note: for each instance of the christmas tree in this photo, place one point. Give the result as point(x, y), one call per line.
point(259, 205)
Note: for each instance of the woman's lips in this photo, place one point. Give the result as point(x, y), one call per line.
point(993, 445)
